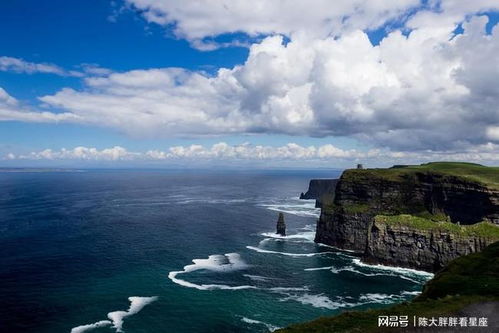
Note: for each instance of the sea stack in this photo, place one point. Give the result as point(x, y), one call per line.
point(281, 226)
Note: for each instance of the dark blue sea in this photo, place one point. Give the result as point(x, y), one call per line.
point(174, 251)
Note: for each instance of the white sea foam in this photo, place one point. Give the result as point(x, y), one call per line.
point(269, 327)
point(309, 227)
point(322, 301)
point(289, 210)
point(116, 317)
point(216, 263)
point(380, 298)
point(294, 206)
point(136, 304)
point(319, 268)
point(387, 273)
point(317, 301)
point(284, 289)
point(257, 249)
point(84, 328)
point(339, 249)
point(353, 270)
point(400, 270)
point(258, 278)
point(210, 201)
point(308, 236)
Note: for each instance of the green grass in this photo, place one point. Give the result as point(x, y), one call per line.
point(466, 280)
point(356, 208)
point(482, 229)
point(488, 176)
point(352, 208)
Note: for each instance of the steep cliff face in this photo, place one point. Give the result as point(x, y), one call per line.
point(428, 250)
point(462, 200)
point(361, 195)
point(321, 190)
point(345, 230)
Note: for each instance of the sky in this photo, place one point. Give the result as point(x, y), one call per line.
point(211, 83)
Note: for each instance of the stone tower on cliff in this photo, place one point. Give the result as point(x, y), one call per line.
point(281, 225)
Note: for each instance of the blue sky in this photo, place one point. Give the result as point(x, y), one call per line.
point(144, 75)
point(73, 33)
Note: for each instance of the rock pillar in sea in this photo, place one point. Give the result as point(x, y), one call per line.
point(281, 226)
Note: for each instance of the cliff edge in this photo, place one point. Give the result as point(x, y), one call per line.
point(322, 190)
point(419, 217)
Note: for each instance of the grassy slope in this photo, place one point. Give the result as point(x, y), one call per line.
point(466, 280)
point(485, 175)
point(483, 229)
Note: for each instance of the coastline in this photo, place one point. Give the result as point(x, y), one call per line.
point(467, 286)
point(351, 215)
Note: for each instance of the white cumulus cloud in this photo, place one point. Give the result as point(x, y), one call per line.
point(12, 109)
point(428, 90)
point(422, 88)
point(290, 154)
point(196, 20)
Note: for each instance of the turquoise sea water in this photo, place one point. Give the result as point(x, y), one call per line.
point(170, 251)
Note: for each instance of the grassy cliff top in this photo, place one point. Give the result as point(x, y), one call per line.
point(482, 229)
point(475, 172)
point(470, 279)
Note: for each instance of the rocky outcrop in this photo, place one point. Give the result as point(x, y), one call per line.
point(322, 190)
point(428, 250)
point(281, 225)
point(348, 221)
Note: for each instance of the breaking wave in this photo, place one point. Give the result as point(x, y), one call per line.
point(215, 263)
point(84, 328)
point(307, 236)
point(417, 277)
point(257, 249)
point(400, 270)
point(116, 317)
point(317, 301)
point(295, 206)
point(269, 327)
point(323, 301)
point(319, 268)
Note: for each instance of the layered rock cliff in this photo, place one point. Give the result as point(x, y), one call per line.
point(439, 194)
point(428, 249)
point(321, 190)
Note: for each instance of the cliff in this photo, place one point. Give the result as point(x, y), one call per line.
point(409, 241)
point(467, 287)
point(441, 203)
point(322, 190)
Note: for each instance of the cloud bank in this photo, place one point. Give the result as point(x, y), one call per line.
point(314, 73)
point(226, 154)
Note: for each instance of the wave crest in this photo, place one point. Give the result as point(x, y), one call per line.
point(216, 263)
point(116, 317)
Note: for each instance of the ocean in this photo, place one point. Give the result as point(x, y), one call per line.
point(174, 251)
